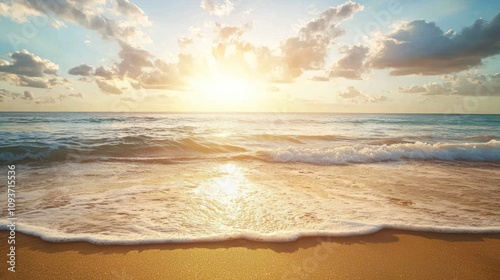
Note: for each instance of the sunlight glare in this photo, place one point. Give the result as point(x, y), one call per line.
point(225, 188)
point(226, 90)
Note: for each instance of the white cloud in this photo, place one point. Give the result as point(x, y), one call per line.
point(27, 69)
point(421, 47)
point(470, 84)
point(351, 92)
point(413, 89)
point(4, 94)
point(309, 49)
point(221, 10)
point(352, 64)
point(17, 11)
point(28, 64)
point(34, 82)
point(57, 98)
point(356, 96)
point(126, 8)
point(108, 87)
point(90, 14)
point(184, 42)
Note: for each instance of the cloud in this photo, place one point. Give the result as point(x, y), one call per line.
point(308, 50)
point(138, 70)
point(29, 70)
point(413, 89)
point(320, 79)
point(34, 82)
point(470, 84)
point(230, 32)
point(27, 64)
point(232, 54)
point(351, 65)
point(378, 98)
point(429, 89)
point(356, 96)
point(81, 70)
point(437, 89)
point(169, 75)
point(108, 87)
point(96, 15)
point(78, 95)
point(57, 98)
point(351, 92)
point(84, 79)
point(421, 47)
point(133, 60)
point(220, 10)
point(184, 42)
point(4, 94)
point(28, 95)
point(305, 51)
point(90, 14)
point(17, 11)
point(242, 58)
point(126, 8)
point(476, 85)
point(104, 72)
point(158, 79)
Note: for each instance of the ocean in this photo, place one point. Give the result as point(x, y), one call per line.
point(134, 178)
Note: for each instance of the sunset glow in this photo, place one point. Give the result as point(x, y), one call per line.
point(252, 56)
point(239, 139)
point(226, 90)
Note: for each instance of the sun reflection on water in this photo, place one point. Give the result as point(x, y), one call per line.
point(227, 188)
point(227, 199)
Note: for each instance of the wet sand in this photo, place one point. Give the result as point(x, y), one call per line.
point(388, 254)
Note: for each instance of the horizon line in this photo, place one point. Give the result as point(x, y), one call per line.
point(249, 112)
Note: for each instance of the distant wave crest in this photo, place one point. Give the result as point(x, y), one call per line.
point(127, 148)
point(296, 149)
point(489, 151)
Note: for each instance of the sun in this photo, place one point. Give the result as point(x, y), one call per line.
point(224, 89)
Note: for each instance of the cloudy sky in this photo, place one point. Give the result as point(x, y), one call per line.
point(396, 56)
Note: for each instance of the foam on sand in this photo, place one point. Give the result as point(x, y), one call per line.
point(214, 201)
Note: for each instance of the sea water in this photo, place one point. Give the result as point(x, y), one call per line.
point(123, 178)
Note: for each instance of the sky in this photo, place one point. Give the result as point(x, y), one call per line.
point(396, 56)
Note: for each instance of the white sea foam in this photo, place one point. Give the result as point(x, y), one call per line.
point(139, 178)
point(215, 202)
point(489, 151)
point(55, 236)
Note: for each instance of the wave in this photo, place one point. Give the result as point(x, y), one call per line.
point(333, 149)
point(354, 229)
point(124, 147)
point(489, 151)
point(482, 137)
point(305, 139)
point(298, 139)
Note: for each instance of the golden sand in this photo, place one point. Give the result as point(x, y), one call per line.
point(388, 254)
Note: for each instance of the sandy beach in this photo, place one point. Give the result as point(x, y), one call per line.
point(388, 254)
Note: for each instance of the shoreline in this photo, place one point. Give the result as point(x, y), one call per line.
point(386, 254)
